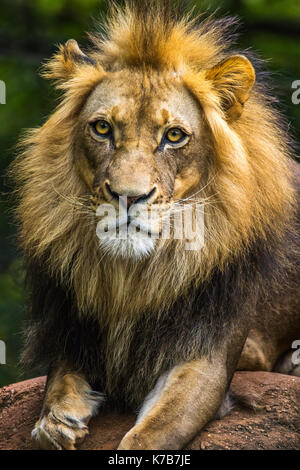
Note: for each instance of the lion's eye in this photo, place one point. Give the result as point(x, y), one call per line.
point(102, 128)
point(175, 135)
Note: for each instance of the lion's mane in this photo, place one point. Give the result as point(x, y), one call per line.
point(250, 174)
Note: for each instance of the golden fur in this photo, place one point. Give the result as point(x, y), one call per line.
point(251, 172)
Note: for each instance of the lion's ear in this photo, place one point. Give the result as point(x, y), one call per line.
point(233, 79)
point(64, 63)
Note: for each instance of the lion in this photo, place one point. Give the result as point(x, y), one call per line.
point(159, 114)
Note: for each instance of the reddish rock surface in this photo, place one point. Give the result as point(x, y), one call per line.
point(274, 425)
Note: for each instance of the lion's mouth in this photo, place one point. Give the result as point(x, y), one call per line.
point(113, 223)
point(129, 226)
point(126, 237)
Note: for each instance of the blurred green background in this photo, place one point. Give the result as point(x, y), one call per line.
point(29, 31)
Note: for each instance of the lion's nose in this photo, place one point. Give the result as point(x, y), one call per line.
point(131, 197)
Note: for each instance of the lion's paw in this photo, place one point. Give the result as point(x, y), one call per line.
point(60, 430)
point(137, 439)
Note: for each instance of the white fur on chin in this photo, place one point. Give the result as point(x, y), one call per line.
point(136, 245)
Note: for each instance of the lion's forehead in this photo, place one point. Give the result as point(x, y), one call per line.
point(137, 98)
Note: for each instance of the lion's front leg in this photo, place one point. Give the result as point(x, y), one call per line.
point(69, 404)
point(182, 402)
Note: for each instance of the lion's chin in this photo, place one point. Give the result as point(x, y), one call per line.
point(137, 245)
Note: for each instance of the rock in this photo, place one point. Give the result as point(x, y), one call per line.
point(274, 425)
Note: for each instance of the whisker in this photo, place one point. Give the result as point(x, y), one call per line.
point(197, 192)
point(81, 208)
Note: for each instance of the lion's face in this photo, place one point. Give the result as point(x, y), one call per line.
point(142, 149)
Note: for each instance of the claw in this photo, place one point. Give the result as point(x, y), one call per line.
point(74, 423)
